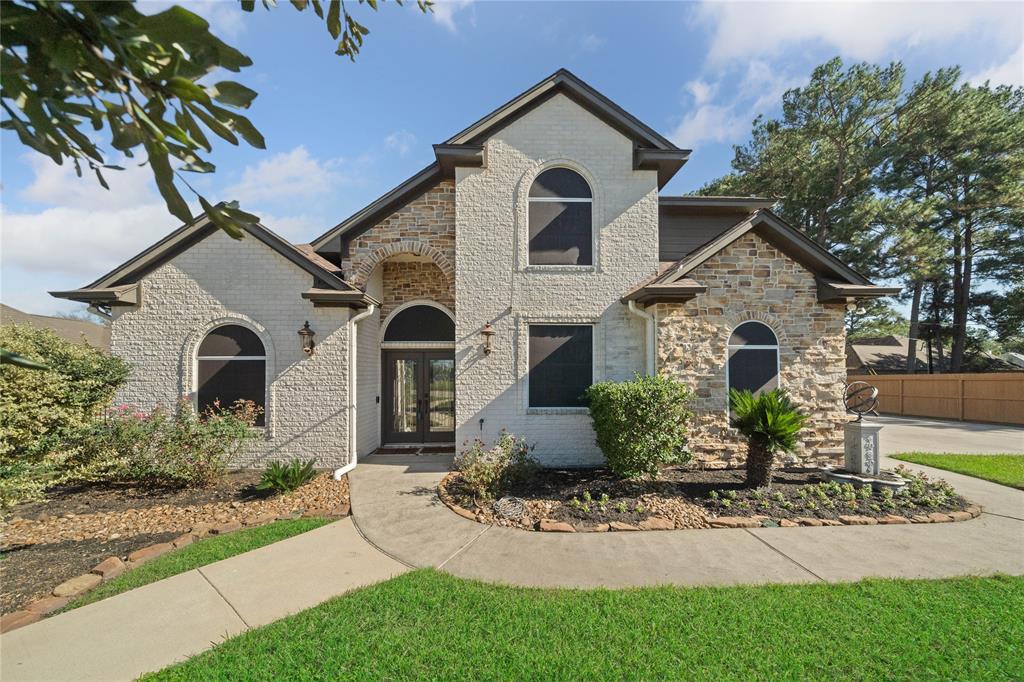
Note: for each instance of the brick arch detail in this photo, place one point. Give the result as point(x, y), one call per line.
point(378, 256)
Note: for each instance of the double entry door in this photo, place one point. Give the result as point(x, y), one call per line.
point(418, 396)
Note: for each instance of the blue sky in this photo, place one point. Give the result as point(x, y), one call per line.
point(340, 134)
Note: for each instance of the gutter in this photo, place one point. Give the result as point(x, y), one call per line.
point(649, 337)
point(353, 370)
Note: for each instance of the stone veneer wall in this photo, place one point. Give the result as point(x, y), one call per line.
point(751, 279)
point(405, 281)
point(223, 281)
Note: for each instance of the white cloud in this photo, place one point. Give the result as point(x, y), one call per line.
point(400, 141)
point(289, 175)
point(444, 12)
point(591, 43)
point(1010, 72)
point(860, 30)
point(55, 185)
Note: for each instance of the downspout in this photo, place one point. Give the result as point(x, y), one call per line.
point(353, 370)
point(649, 336)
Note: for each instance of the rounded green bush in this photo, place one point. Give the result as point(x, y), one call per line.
point(641, 424)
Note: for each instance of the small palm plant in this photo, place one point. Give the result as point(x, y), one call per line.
point(770, 422)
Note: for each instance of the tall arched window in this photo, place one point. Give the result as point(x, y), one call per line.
point(232, 366)
point(753, 358)
point(561, 220)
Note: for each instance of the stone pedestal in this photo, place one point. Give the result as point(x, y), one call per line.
point(862, 452)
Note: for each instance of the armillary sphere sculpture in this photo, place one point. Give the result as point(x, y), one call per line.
point(861, 398)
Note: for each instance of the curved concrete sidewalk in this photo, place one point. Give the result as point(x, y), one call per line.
point(395, 507)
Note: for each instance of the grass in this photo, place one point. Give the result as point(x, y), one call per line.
point(429, 625)
point(200, 553)
point(1004, 469)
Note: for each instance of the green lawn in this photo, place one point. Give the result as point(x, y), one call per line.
point(200, 553)
point(429, 625)
point(1005, 469)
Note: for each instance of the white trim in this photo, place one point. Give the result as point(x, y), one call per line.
point(729, 347)
point(650, 348)
point(524, 241)
point(563, 200)
point(560, 409)
point(417, 345)
point(410, 304)
point(231, 357)
point(353, 387)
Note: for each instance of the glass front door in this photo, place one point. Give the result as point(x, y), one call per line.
point(418, 397)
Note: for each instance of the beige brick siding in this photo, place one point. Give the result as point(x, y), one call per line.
point(496, 285)
point(406, 281)
point(221, 280)
point(751, 279)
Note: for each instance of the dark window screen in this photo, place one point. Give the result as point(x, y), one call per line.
point(226, 381)
point(753, 334)
point(421, 323)
point(561, 364)
point(753, 369)
point(561, 183)
point(231, 340)
point(560, 233)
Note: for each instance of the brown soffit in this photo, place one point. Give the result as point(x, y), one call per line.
point(842, 292)
point(126, 294)
point(666, 161)
point(780, 234)
point(451, 155)
point(748, 204)
point(332, 298)
point(679, 291)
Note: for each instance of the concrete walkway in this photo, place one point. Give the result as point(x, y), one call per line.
point(153, 626)
point(395, 508)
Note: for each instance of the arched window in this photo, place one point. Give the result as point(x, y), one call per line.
point(232, 366)
point(753, 358)
point(561, 219)
point(420, 323)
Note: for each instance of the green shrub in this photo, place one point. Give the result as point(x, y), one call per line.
point(185, 448)
point(770, 421)
point(641, 424)
point(489, 473)
point(284, 478)
point(43, 411)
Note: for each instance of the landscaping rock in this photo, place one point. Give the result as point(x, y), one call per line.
point(657, 523)
point(464, 513)
point(316, 514)
point(17, 619)
point(734, 522)
point(893, 519)
point(600, 528)
point(183, 540)
point(974, 510)
point(341, 510)
point(619, 525)
point(48, 605)
point(853, 520)
point(831, 522)
point(788, 523)
point(961, 516)
point(290, 516)
point(809, 521)
point(939, 517)
point(555, 526)
point(77, 585)
point(111, 567)
point(920, 518)
point(229, 527)
point(201, 530)
point(141, 556)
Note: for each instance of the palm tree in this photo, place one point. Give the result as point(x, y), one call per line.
point(771, 422)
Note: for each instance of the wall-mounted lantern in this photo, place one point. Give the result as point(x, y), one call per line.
point(306, 335)
point(488, 333)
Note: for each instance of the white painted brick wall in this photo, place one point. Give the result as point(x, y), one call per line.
point(220, 279)
point(494, 283)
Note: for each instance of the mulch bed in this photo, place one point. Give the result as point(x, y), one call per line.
point(591, 499)
point(45, 543)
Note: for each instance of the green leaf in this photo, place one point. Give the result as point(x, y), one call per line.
point(185, 89)
point(234, 94)
point(165, 182)
point(184, 119)
point(318, 8)
point(213, 124)
point(99, 176)
point(300, 4)
point(222, 221)
point(248, 5)
point(8, 357)
point(334, 18)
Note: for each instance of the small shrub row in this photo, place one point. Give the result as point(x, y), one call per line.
point(488, 473)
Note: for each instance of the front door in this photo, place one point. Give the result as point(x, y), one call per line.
point(418, 396)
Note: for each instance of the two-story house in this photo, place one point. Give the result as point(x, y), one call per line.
point(535, 256)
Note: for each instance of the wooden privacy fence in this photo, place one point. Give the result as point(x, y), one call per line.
point(994, 397)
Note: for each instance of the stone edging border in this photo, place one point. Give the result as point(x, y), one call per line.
point(113, 566)
point(662, 523)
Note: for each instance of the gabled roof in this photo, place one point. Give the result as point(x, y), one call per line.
point(120, 285)
point(652, 151)
point(734, 203)
point(75, 331)
point(837, 282)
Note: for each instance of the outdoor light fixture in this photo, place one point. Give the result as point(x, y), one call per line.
point(488, 333)
point(307, 334)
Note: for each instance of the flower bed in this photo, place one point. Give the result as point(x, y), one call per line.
point(577, 500)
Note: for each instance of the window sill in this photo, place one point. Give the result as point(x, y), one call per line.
point(559, 268)
point(557, 410)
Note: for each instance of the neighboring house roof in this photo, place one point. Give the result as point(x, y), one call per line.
point(884, 355)
point(652, 151)
point(120, 285)
point(837, 281)
point(76, 331)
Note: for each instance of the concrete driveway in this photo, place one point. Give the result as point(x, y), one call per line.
point(918, 434)
point(395, 507)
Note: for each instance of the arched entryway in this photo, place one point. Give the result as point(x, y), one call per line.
point(418, 375)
